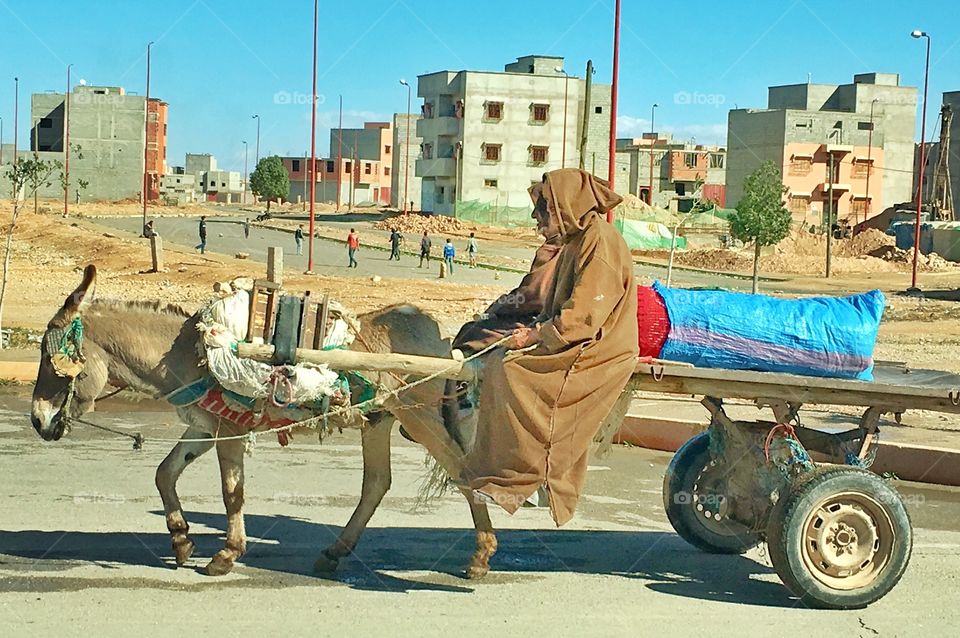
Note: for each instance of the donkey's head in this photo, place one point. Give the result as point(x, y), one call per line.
point(72, 372)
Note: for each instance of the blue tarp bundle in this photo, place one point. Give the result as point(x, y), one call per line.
point(820, 336)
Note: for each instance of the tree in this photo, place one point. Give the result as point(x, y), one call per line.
point(27, 175)
point(269, 180)
point(81, 183)
point(760, 216)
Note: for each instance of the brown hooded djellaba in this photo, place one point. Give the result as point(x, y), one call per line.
point(540, 409)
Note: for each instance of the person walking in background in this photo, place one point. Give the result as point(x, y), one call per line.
point(298, 237)
point(202, 246)
point(353, 245)
point(148, 230)
point(449, 252)
point(246, 228)
point(395, 239)
point(425, 246)
point(472, 250)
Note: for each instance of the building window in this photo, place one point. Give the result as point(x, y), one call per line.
point(490, 183)
point(427, 110)
point(347, 166)
point(330, 167)
point(680, 189)
point(386, 171)
point(538, 155)
point(427, 150)
point(716, 160)
point(598, 109)
point(858, 206)
point(296, 166)
point(491, 152)
point(865, 126)
point(799, 204)
point(223, 184)
point(441, 191)
point(801, 165)
point(386, 149)
point(540, 112)
point(860, 169)
point(366, 168)
point(690, 160)
point(46, 122)
point(493, 110)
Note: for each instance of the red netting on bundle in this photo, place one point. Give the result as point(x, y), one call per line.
point(652, 321)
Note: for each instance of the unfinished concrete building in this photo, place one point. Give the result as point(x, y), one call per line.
point(867, 127)
point(404, 178)
point(487, 136)
point(106, 140)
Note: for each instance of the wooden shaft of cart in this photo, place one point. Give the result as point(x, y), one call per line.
point(367, 361)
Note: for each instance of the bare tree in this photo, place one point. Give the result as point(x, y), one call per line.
point(26, 177)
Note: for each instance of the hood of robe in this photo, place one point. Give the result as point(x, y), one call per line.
point(575, 197)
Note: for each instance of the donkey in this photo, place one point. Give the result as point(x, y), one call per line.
point(155, 349)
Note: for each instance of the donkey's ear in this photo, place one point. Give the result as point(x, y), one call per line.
point(80, 298)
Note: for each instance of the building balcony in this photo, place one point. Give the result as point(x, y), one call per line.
point(437, 167)
point(840, 149)
point(838, 187)
point(438, 126)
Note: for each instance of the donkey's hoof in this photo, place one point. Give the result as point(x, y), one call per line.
point(221, 564)
point(183, 551)
point(326, 564)
point(475, 572)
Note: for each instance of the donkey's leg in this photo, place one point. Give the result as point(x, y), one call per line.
point(420, 417)
point(230, 455)
point(182, 455)
point(375, 440)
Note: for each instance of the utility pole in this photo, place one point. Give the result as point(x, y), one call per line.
point(66, 147)
point(869, 206)
point(653, 141)
point(340, 155)
point(313, 143)
point(566, 93)
point(245, 184)
point(612, 160)
point(585, 125)
point(942, 198)
point(830, 175)
point(146, 142)
point(16, 118)
point(406, 152)
point(923, 159)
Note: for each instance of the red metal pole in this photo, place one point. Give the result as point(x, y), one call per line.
point(923, 148)
point(313, 141)
point(340, 154)
point(66, 147)
point(146, 139)
point(612, 165)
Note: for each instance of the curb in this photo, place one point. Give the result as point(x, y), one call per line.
point(909, 462)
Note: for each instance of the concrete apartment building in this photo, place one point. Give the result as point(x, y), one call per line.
point(487, 136)
point(403, 168)
point(371, 148)
point(683, 172)
point(361, 182)
point(107, 124)
point(805, 124)
point(210, 183)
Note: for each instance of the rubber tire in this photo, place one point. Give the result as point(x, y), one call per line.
point(681, 475)
point(786, 527)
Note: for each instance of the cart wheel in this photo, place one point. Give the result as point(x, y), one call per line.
point(840, 539)
point(696, 504)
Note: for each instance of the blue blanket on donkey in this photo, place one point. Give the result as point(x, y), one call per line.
point(820, 336)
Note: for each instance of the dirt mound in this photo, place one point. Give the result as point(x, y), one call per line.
point(866, 243)
point(415, 223)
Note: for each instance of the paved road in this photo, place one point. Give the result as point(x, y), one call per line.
point(330, 257)
point(83, 551)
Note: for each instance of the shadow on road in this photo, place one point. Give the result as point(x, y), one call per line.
point(284, 548)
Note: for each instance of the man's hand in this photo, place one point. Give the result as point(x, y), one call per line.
point(523, 337)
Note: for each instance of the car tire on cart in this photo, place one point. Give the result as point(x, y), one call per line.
point(840, 539)
point(694, 499)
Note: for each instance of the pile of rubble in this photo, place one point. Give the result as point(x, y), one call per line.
point(414, 223)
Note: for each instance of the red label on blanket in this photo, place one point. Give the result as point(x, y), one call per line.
point(247, 420)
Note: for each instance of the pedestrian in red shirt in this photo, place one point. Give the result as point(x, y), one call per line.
point(353, 245)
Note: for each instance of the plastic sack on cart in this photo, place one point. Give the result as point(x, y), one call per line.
point(819, 336)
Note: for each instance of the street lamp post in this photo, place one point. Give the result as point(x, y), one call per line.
point(16, 118)
point(923, 137)
point(869, 207)
point(566, 93)
point(653, 140)
point(66, 147)
point(340, 154)
point(245, 149)
point(406, 152)
point(256, 153)
point(313, 142)
point(1, 142)
point(612, 160)
point(146, 141)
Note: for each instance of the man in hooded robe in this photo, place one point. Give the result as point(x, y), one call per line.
point(541, 407)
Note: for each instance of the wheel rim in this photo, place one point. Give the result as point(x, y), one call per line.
point(710, 504)
point(848, 539)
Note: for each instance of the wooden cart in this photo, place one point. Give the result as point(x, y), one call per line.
point(839, 536)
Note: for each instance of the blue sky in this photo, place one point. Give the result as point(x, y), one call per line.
point(217, 62)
